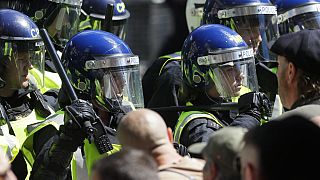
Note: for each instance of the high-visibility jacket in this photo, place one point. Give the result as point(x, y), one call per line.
point(189, 116)
point(46, 81)
point(12, 143)
point(80, 164)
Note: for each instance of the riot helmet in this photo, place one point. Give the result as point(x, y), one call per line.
point(194, 13)
point(216, 61)
point(20, 48)
point(296, 15)
point(254, 20)
point(95, 13)
point(103, 68)
point(59, 17)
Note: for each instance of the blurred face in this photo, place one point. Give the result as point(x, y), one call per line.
point(251, 35)
point(17, 71)
point(230, 80)
point(62, 23)
point(234, 79)
point(119, 83)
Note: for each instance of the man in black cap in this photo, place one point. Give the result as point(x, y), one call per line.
point(299, 69)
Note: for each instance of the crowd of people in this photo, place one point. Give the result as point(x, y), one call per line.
point(240, 101)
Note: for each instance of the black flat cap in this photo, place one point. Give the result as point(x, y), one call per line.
point(302, 49)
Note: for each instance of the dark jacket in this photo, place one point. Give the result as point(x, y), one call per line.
point(200, 129)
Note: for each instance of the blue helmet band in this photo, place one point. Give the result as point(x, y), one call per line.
point(297, 11)
point(225, 57)
point(70, 2)
point(109, 62)
point(247, 10)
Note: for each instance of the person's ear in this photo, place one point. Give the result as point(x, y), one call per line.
point(210, 170)
point(214, 170)
point(249, 172)
point(291, 73)
point(170, 134)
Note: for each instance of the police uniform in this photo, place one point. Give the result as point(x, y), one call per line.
point(218, 66)
point(83, 158)
point(18, 113)
point(45, 81)
point(197, 126)
point(96, 73)
point(161, 83)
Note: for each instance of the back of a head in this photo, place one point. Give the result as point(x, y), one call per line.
point(142, 129)
point(128, 164)
point(223, 148)
point(287, 149)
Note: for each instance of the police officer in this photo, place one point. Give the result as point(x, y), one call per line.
point(297, 15)
point(61, 19)
point(94, 13)
point(103, 70)
point(218, 66)
point(164, 76)
point(21, 104)
point(256, 22)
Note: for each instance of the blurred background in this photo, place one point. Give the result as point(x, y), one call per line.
point(155, 28)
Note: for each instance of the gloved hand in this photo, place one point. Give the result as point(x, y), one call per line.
point(256, 104)
point(78, 117)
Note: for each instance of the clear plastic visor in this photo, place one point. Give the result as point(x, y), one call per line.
point(63, 23)
point(231, 79)
point(118, 27)
point(123, 86)
point(259, 31)
point(23, 64)
point(118, 83)
point(297, 23)
point(256, 24)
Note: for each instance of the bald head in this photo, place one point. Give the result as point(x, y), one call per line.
point(143, 129)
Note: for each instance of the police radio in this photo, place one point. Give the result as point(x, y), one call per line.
point(95, 130)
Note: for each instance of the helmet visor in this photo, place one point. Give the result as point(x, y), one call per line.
point(23, 64)
point(299, 18)
point(234, 77)
point(297, 23)
point(62, 23)
point(259, 32)
point(119, 82)
point(257, 25)
point(118, 27)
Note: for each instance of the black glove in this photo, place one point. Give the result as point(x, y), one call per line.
point(115, 119)
point(256, 104)
point(77, 123)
